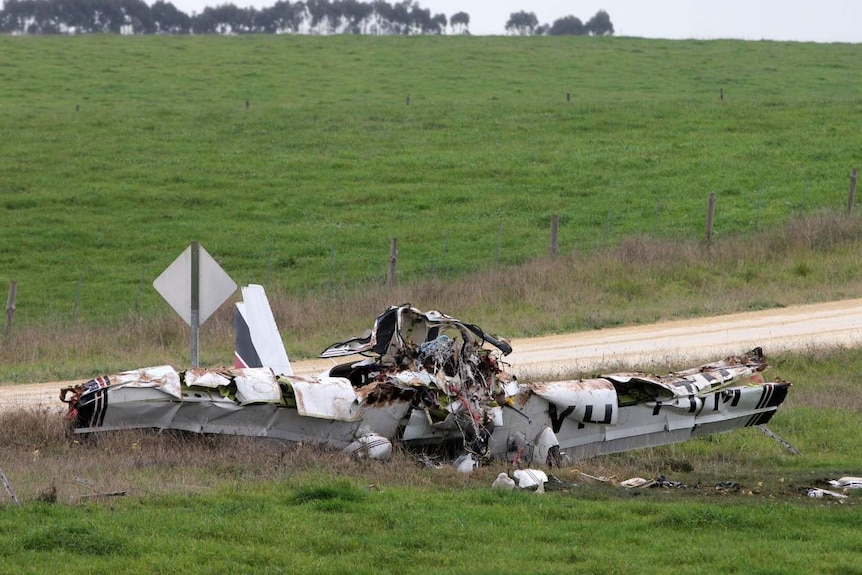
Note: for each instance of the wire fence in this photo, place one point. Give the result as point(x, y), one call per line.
point(84, 299)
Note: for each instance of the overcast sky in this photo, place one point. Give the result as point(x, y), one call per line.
point(801, 20)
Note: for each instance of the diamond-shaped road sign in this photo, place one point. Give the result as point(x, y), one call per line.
point(214, 285)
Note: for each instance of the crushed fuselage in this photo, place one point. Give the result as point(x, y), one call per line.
point(428, 378)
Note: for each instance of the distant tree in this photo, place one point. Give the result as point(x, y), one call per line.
point(163, 17)
point(568, 26)
point(522, 23)
point(438, 24)
point(336, 17)
point(381, 17)
point(137, 17)
point(420, 20)
point(280, 17)
point(460, 22)
point(167, 19)
point(107, 16)
point(224, 19)
point(77, 16)
point(318, 11)
point(16, 16)
point(400, 17)
point(357, 16)
point(31, 17)
point(204, 23)
point(600, 24)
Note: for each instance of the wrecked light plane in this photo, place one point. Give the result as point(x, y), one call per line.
point(423, 379)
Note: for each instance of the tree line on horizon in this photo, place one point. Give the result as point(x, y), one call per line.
point(376, 17)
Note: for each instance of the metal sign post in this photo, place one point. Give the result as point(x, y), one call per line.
point(195, 286)
point(196, 302)
point(10, 307)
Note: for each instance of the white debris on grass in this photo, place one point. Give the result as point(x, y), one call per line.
point(530, 478)
point(503, 481)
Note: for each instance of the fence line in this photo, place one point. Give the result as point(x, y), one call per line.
point(555, 225)
point(87, 304)
point(393, 261)
point(710, 216)
point(10, 307)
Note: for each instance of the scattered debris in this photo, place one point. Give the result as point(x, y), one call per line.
point(426, 379)
point(8, 487)
point(85, 483)
point(370, 445)
point(554, 483)
point(504, 482)
point(577, 474)
point(466, 464)
point(106, 494)
point(427, 462)
point(662, 482)
point(528, 478)
point(636, 482)
point(769, 433)
point(95, 488)
point(818, 493)
point(846, 483)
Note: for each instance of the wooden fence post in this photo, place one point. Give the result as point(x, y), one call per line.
point(710, 213)
point(851, 196)
point(8, 487)
point(555, 226)
point(393, 260)
point(10, 307)
point(77, 300)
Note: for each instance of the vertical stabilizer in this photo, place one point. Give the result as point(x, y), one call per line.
point(258, 343)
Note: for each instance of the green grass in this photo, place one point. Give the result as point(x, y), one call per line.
point(303, 189)
point(409, 530)
point(269, 530)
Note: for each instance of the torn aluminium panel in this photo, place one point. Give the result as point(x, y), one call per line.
point(425, 378)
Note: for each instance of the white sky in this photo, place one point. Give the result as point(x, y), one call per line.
point(800, 20)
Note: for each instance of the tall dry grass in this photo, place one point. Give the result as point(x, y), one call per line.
point(640, 280)
point(44, 460)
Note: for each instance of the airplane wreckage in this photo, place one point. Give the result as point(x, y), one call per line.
point(423, 379)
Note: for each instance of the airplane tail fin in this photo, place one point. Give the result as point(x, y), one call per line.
point(258, 343)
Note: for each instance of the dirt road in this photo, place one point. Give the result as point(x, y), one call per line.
point(640, 346)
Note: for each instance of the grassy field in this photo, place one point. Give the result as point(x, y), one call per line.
point(223, 505)
point(295, 160)
point(640, 280)
point(343, 529)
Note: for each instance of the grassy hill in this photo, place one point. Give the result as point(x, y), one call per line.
point(295, 160)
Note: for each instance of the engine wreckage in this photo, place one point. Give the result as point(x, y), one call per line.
point(424, 379)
